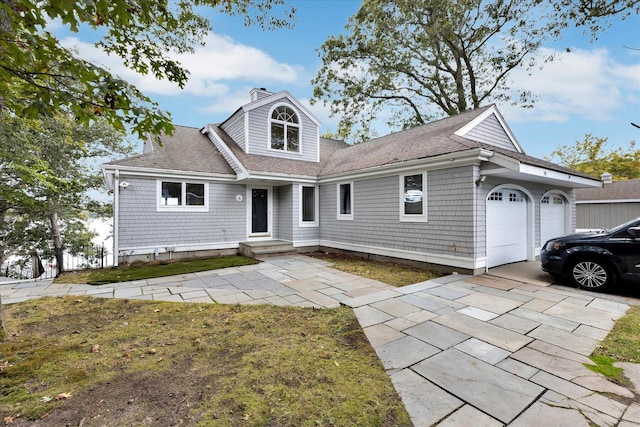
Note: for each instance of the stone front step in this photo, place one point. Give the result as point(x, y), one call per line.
point(266, 248)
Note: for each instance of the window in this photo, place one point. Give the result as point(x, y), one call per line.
point(179, 195)
point(285, 130)
point(413, 196)
point(345, 201)
point(308, 206)
point(515, 197)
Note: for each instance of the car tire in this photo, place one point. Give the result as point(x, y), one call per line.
point(591, 274)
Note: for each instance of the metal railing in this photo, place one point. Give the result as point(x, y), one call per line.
point(44, 265)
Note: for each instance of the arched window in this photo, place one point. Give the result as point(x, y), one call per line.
point(285, 129)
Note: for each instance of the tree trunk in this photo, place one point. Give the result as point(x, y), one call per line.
point(57, 242)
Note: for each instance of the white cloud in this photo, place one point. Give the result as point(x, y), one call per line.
point(589, 84)
point(212, 67)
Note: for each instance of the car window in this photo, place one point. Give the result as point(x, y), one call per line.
point(622, 228)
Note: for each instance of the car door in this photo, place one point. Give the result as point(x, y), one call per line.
point(627, 247)
point(633, 255)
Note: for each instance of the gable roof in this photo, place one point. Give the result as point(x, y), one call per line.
point(268, 99)
point(617, 191)
point(187, 150)
point(420, 142)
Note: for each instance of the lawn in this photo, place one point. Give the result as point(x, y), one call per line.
point(148, 270)
point(621, 345)
point(98, 362)
point(391, 273)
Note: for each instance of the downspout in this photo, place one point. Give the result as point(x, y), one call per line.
point(116, 210)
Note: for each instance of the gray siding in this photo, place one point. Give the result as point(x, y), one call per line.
point(301, 233)
point(284, 213)
point(288, 215)
point(605, 215)
point(142, 226)
point(491, 132)
point(449, 230)
point(259, 136)
point(234, 127)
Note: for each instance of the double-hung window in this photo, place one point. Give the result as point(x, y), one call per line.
point(345, 200)
point(285, 129)
point(308, 206)
point(413, 197)
point(182, 196)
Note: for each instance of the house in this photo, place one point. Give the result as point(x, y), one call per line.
point(456, 194)
point(613, 204)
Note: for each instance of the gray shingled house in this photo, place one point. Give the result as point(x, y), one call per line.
point(615, 203)
point(457, 194)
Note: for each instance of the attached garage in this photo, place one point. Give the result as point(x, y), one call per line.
point(506, 227)
point(552, 217)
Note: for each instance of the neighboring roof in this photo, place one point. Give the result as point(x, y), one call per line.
point(620, 191)
point(186, 150)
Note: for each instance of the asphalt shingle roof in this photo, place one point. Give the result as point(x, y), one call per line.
point(186, 150)
point(617, 190)
point(189, 151)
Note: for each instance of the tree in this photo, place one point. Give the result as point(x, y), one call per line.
point(418, 60)
point(47, 167)
point(38, 76)
point(593, 157)
point(591, 14)
point(410, 61)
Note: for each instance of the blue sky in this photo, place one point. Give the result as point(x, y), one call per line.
point(594, 89)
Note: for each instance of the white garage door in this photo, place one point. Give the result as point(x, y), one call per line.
point(552, 217)
point(506, 227)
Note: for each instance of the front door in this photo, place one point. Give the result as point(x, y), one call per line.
point(259, 211)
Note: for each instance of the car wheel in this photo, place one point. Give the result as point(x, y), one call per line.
point(592, 275)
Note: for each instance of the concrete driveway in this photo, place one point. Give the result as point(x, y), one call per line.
point(504, 348)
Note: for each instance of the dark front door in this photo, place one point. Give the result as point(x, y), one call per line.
point(259, 209)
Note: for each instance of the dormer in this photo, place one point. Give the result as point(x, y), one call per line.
point(275, 125)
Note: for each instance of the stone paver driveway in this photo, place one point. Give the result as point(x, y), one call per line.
point(460, 350)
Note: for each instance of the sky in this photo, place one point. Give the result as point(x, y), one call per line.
point(594, 89)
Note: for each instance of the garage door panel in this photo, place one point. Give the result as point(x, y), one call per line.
point(506, 227)
point(552, 217)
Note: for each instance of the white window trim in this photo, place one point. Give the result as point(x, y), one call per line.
point(316, 206)
point(181, 208)
point(299, 126)
point(413, 217)
point(341, 216)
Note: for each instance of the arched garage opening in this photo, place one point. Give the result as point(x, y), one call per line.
point(509, 220)
point(554, 210)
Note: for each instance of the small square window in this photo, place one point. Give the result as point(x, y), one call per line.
point(171, 194)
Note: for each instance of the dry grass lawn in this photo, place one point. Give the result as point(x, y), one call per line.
point(97, 362)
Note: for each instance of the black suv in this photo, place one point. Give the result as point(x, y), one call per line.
point(595, 261)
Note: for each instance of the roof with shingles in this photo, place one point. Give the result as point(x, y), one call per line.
point(276, 165)
point(617, 190)
point(188, 150)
